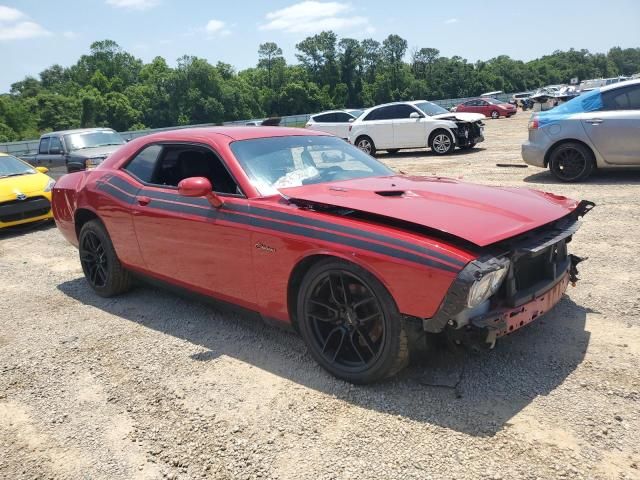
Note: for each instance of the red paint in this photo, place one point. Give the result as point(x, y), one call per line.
point(220, 251)
point(504, 109)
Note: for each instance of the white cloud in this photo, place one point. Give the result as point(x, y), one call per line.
point(217, 27)
point(8, 14)
point(14, 25)
point(311, 16)
point(451, 20)
point(133, 4)
point(70, 34)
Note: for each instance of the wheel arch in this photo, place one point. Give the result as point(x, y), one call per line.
point(304, 265)
point(550, 150)
point(82, 216)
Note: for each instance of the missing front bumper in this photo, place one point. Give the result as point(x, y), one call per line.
point(482, 332)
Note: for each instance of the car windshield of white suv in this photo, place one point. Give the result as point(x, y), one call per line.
point(430, 109)
point(12, 167)
point(80, 141)
point(281, 162)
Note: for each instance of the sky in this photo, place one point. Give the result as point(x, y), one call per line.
point(35, 34)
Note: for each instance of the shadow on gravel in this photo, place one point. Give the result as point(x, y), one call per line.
point(474, 394)
point(630, 176)
point(11, 232)
point(426, 153)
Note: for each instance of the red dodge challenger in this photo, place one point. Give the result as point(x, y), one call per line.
point(310, 231)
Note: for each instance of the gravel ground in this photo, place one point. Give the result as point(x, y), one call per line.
point(152, 385)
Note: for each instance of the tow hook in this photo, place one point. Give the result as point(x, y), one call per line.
point(573, 268)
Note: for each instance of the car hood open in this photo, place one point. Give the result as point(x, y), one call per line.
point(463, 116)
point(478, 214)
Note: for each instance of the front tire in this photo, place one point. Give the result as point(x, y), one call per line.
point(442, 143)
point(365, 144)
point(571, 162)
point(495, 114)
point(350, 323)
point(102, 269)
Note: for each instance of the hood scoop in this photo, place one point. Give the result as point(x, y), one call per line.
point(391, 193)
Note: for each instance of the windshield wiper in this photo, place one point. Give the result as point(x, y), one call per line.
point(14, 174)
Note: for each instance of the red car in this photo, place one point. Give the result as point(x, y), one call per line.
point(311, 232)
point(489, 107)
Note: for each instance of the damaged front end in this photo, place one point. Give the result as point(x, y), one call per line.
point(469, 133)
point(511, 286)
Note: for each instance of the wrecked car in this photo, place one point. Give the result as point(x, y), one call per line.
point(312, 233)
point(415, 124)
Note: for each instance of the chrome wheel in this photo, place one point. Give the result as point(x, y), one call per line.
point(441, 143)
point(495, 114)
point(365, 145)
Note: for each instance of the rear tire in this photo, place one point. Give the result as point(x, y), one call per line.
point(571, 162)
point(102, 269)
point(442, 142)
point(365, 144)
point(350, 323)
point(495, 114)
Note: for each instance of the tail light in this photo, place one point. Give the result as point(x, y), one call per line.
point(533, 123)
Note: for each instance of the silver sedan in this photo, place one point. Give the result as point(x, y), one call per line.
point(598, 129)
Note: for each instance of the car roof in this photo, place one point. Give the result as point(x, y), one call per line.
point(624, 83)
point(232, 133)
point(78, 130)
point(344, 110)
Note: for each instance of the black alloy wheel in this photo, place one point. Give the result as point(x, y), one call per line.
point(100, 264)
point(350, 323)
point(94, 260)
point(571, 162)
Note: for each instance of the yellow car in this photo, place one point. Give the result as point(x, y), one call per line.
point(25, 192)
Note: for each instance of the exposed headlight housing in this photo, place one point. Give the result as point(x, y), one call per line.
point(486, 285)
point(49, 185)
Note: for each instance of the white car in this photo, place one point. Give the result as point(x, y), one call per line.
point(335, 122)
point(415, 124)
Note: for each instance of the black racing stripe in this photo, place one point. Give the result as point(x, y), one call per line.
point(357, 232)
point(109, 189)
point(189, 205)
point(298, 230)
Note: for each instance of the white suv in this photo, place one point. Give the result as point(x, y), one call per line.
point(415, 124)
point(335, 122)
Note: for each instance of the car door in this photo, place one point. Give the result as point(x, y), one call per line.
point(483, 107)
point(186, 240)
point(379, 126)
point(55, 158)
point(615, 129)
point(408, 132)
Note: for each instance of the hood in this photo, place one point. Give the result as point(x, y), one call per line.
point(476, 213)
point(96, 151)
point(463, 116)
point(27, 184)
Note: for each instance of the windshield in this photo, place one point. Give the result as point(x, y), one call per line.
point(493, 101)
point(78, 141)
point(430, 109)
point(11, 166)
point(281, 162)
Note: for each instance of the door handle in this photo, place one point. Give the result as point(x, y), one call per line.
point(595, 121)
point(143, 201)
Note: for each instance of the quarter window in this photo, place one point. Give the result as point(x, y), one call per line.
point(324, 118)
point(143, 165)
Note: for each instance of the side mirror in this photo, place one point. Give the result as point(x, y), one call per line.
point(414, 115)
point(351, 120)
point(199, 187)
point(42, 169)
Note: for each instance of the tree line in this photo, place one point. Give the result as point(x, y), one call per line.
point(111, 87)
